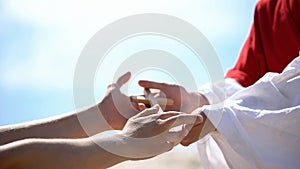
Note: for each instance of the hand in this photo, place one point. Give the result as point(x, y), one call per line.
point(183, 101)
point(147, 133)
point(116, 107)
point(198, 131)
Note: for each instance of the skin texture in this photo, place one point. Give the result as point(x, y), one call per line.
point(184, 101)
point(144, 136)
point(61, 142)
point(68, 125)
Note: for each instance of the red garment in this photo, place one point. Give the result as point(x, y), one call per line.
point(273, 42)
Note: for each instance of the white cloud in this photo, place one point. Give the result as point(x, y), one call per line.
point(63, 27)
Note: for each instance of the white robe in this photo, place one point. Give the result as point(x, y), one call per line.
point(258, 126)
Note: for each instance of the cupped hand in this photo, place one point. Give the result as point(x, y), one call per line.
point(148, 133)
point(184, 101)
point(116, 107)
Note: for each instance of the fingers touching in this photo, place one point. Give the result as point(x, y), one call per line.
point(182, 119)
point(151, 111)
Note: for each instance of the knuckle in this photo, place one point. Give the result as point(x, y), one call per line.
point(159, 122)
point(112, 86)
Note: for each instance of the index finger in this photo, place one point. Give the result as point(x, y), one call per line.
point(153, 85)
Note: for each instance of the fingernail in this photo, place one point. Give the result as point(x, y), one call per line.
point(199, 119)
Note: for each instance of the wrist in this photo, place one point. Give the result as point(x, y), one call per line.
point(196, 100)
point(92, 120)
point(207, 125)
point(123, 147)
point(103, 150)
point(105, 110)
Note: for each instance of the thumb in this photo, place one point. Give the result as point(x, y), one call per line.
point(153, 110)
point(141, 106)
point(123, 79)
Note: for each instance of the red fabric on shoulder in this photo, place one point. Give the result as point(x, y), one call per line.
point(273, 42)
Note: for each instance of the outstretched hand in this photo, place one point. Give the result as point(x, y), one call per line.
point(116, 107)
point(149, 131)
point(184, 101)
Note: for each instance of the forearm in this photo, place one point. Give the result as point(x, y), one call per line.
point(56, 153)
point(63, 126)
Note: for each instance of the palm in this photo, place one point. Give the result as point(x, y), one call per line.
point(183, 101)
point(116, 107)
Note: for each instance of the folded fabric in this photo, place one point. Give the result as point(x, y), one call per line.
point(257, 126)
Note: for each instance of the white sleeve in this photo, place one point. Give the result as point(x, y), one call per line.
point(258, 126)
point(219, 91)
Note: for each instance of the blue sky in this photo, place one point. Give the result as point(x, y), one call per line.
point(40, 42)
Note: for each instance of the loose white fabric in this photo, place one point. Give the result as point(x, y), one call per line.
point(257, 126)
point(219, 91)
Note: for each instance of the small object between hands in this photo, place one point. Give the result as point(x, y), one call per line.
point(149, 96)
point(149, 100)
